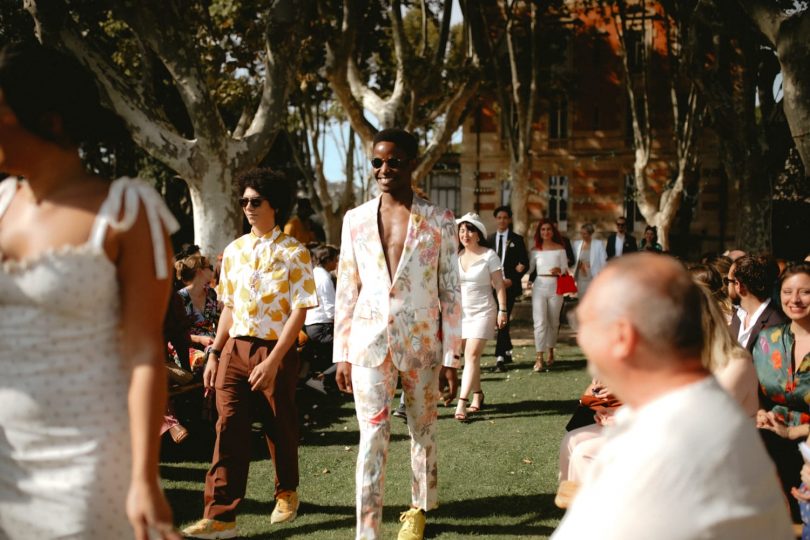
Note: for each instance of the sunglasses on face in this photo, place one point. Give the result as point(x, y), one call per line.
point(729, 281)
point(393, 163)
point(621, 225)
point(254, 202)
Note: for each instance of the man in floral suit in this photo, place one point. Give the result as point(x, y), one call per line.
point(397, 313)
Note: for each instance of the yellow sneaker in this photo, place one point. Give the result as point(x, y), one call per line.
point(211, 529)
point(286, 507)
point(413, 525)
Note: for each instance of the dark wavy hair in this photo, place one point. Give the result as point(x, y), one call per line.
point(272, 185)
point(555, 236)
point(482, 240)
point(757, 273)
point(41, 85)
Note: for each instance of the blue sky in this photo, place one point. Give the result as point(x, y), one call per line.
point(337, 136)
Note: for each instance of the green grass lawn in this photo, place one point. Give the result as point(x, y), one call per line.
point(497, 473)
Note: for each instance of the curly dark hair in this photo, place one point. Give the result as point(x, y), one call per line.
point(757, 273)
point(404, 140)
point(274, 186)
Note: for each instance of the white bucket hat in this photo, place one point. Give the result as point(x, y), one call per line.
point(473, 219)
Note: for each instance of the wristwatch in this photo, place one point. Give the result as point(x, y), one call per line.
point(211, 350)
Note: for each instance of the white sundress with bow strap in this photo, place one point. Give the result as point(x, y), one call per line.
point(64, 428)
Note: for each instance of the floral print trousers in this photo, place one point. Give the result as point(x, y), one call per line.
point(374, 390)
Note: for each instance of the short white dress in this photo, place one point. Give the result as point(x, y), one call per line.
point(478, 308)
point(65, 450)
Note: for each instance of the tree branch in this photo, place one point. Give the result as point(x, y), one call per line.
point(152, 133)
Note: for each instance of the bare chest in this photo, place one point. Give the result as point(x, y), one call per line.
point(393, 228)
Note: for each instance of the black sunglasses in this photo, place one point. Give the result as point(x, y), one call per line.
point(254, 202)
point(729, 281)
point(622, 224)
point(393, 163)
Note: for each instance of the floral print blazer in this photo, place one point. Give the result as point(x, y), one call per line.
point(417, 315)
point(783, 391)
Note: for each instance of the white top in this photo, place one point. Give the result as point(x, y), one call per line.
point(543, 261)
point(619, 244)
point(745, 333)
point(478, 308)
point(672, 471)
point(65, 451)
point(595, 256)
point(324, 312)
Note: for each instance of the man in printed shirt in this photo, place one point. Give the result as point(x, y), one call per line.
point(266, 287)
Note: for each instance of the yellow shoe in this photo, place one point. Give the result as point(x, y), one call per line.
point(413, 525)
point(286, 507)
point(211, 529)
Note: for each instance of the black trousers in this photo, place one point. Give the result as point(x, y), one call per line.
point(504, 340)
point(788, 460)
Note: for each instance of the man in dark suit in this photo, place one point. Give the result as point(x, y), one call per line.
point(750, 282)
point(620, 242)
point(511, 249)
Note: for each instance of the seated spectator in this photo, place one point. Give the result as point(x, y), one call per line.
point(668, 469)
point(200, 303)
point(729, 363)
point(782, 361)
point(175, 332)
point(581, 444)
point(319, 325)
point(709, 277)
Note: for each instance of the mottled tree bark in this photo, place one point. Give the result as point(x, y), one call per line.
point(208, 161)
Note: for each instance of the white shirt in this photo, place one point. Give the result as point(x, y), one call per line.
point(688, 465)
point(745, 333)
point(619, 245)
point(324, 312)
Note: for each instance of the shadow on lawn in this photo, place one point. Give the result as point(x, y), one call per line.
point(522, 513)
point(526, 408)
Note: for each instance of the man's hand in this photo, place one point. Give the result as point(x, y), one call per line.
point(450, 376)
point(507, 282)
point(261, 376)
point(210, 372)
point(343, 377)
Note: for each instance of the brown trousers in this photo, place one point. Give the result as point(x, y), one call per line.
point(237, 405)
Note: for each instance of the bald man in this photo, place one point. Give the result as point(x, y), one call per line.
point(682, 460)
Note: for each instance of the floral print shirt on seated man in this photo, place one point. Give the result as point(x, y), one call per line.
point(784, 391)
point(263, 279)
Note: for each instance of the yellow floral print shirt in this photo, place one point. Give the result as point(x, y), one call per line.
point(263, 279)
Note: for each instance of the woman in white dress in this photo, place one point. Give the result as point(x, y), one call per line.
point(84, 284)
point(480, 272)
point(548, 260)
point(590, 256)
